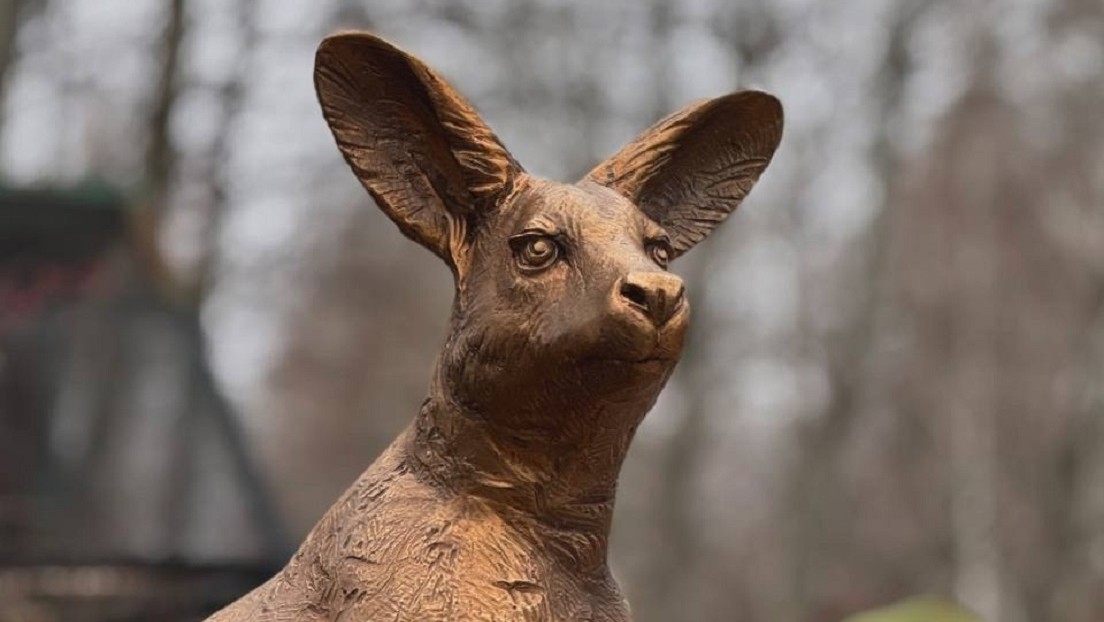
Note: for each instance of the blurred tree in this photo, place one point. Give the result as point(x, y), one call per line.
point(9, 27)
point(136, 468)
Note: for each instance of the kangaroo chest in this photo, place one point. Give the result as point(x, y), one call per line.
point(394, 549)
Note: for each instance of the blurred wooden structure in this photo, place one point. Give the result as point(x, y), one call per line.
point(74, 282)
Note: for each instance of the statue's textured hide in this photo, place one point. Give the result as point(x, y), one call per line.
point(495, 503)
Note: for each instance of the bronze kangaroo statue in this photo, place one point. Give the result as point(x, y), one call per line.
point(495, 503)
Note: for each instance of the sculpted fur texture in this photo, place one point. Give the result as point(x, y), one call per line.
point(495, 503)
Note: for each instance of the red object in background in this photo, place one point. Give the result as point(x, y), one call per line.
point(28, 293)
point(53, 248)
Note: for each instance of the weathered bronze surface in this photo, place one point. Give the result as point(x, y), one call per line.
point(495, 503)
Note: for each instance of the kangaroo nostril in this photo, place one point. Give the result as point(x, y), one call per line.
point(634, 294)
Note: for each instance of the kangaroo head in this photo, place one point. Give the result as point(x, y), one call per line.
point(564, 306)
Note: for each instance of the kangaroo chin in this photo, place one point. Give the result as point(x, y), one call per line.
point(496, 502)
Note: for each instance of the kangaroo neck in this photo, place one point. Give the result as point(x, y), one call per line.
point(558, 479)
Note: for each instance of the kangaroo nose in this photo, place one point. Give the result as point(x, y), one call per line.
point(658, 295)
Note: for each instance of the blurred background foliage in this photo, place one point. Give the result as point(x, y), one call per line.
point(894, 381)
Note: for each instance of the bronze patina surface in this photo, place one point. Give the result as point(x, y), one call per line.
point(495, 503)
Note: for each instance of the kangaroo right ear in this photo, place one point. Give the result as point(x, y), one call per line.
point(420, 149)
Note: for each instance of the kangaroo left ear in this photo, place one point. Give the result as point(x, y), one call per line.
point(694, 168)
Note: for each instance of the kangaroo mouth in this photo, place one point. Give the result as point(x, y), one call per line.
point(657, 359)
point(649, 365)
point(631, 340)
point(665, 358)
point(659, 345)
point(659, 354)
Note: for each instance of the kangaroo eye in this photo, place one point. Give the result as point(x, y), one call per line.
point(660, 251)
point(535, 251)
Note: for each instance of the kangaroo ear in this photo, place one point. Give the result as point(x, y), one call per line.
point(420, 149)
point(692, 169)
